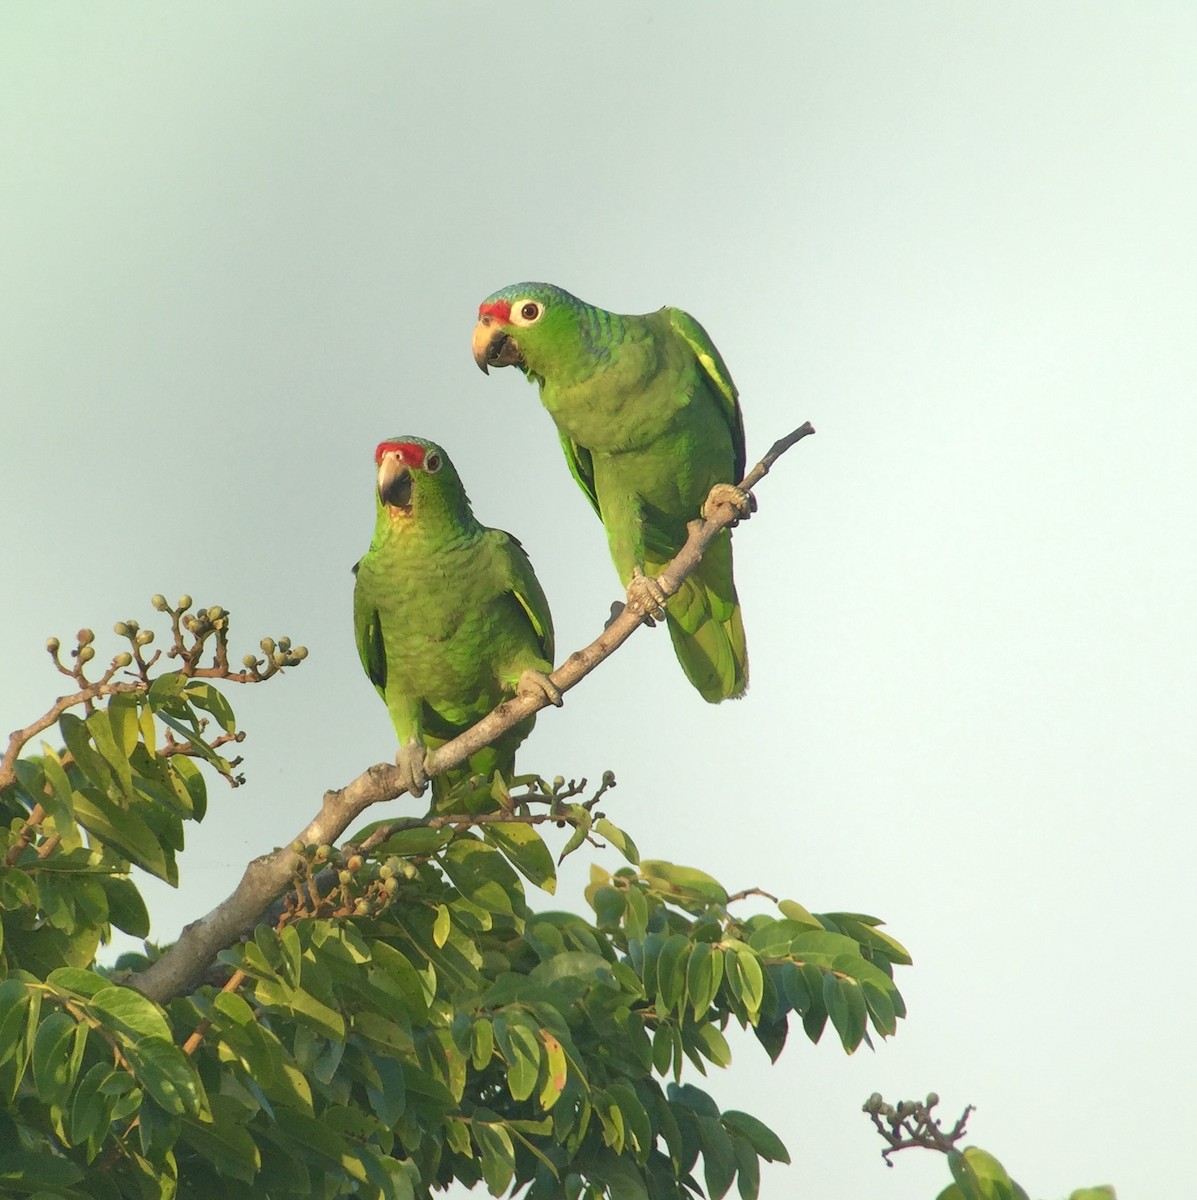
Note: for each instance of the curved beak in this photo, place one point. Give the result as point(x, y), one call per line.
point(394, 483)
point(492, 347)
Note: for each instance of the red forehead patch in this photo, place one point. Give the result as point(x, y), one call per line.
point(500, 310)
point(412, 453)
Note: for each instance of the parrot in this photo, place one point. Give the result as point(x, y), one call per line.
point(448, 616)
point(650, 422)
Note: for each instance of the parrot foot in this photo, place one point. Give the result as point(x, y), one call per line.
point(644, 595)
point(727, 493)
point(537, 683)
point(411, 761)
point(618, 608)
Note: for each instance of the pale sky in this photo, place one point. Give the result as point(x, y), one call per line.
point(242, 244)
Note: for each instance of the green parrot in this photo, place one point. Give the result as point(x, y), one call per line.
point(650, 422)
point(448, 617)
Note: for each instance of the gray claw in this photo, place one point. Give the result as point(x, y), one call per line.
point(727, 493)
point(537, 683)
point(411, 761)
point(644, 596)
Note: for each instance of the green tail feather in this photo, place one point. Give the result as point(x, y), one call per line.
point(707, 629)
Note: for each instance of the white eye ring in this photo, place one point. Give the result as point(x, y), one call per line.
point(432, 463)
point(526, 312)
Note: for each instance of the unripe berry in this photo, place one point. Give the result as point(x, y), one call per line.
point(123, 659)
point(184, 602)
point(249, 661)
point(346, 876)
point(144, 638)
point(267, 645)
point(85, 637)
point(86, 654)
point(53, 645)
point(121, 629)
point(158, 600)
point(391, 886)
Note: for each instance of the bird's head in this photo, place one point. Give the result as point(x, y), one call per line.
point(525, 325)
point(413, 473)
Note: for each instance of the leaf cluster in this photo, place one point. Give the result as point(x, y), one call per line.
point(403, 1018)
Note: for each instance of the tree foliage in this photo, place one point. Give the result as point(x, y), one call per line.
point(402, 1017)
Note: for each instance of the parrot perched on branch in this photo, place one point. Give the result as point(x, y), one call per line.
point(649, 420)
point(448, 617)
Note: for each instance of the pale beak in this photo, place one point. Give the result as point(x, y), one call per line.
point(492, 347)
point(394, 483)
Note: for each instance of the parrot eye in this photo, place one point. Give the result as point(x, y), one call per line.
point(528, 313)
point(432, 463)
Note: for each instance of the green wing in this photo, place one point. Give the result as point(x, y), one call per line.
point(525, 587)
point(367, 634)
point(581, 467)
point(686, 327)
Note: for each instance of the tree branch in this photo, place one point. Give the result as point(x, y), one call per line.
point(183, 965)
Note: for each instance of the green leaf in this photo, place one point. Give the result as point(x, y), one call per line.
point(18, 891)
point(166, 1074)
point(482, 1043)
point(36, 1170)
point(746, 977)
point(718, 1156)
point(714, 1045)
point(78, 741)
point(441, 926)
point(671, 974)
point(684, 881)
point(125, 831)
point(609, 905)
point(51, 1058)
point(389, 1099)
point(483, 875)
point(14, 1009)
point(122, 716)
point(91, 1108)
point(237, 1027)
point(701, 984)
point(410, 842)
point(795, 912)
point(618, 838)
point(748, 1170)
point(188, 784)
point(526, 850)
point(206, 696)
point(496, 1154)
point(60, 804)
point(556, 1073)
point(224, 1141)
point(130, 1014)
point(99, 726)
point(846, 1008)
point(126, 908)
point(762, 1139)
